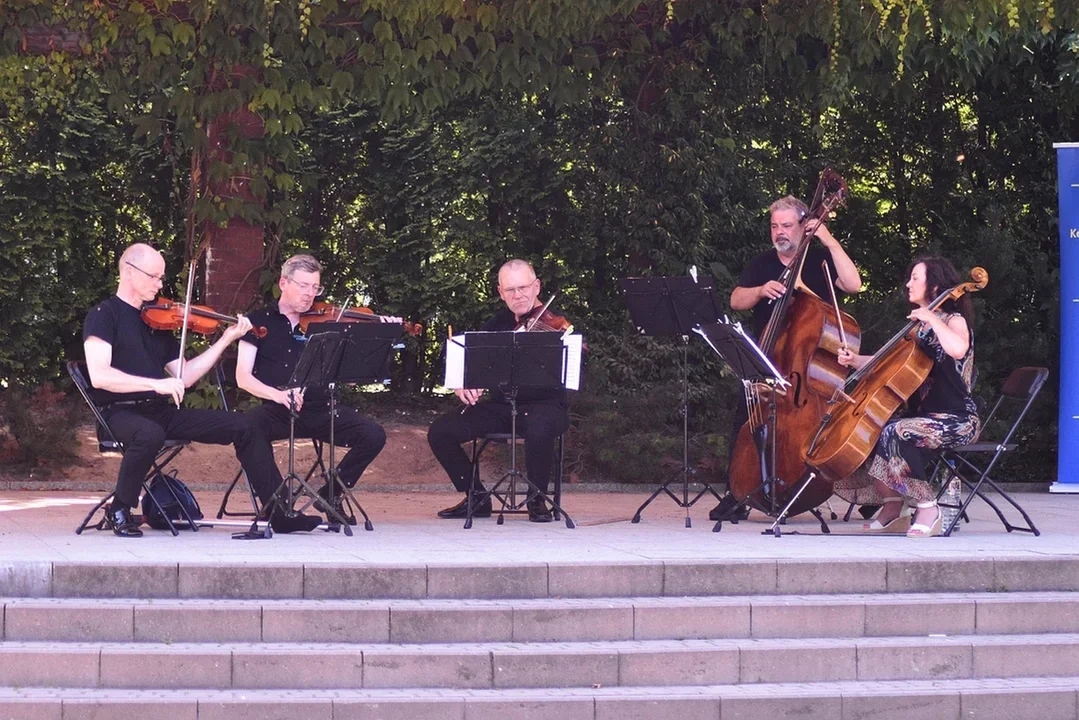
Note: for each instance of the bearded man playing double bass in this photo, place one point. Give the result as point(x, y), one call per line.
point(759, 284)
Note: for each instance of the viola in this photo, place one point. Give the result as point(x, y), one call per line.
point(802, 338)
point(870, 396)
point(321, 312)
point(164, 314)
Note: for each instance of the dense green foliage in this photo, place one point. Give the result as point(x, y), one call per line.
point(414, 145)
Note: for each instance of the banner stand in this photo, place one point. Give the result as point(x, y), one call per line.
point(1068, 419)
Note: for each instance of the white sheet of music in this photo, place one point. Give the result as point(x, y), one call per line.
point(455, 361)
point(573, 344)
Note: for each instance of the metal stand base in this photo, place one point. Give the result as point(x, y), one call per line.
point(686, 472)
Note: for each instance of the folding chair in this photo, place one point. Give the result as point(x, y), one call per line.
point(107, 443)
point(1019, 391)
point(508, 499)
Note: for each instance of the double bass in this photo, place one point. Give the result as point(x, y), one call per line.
point(802, 338)
point(870, 396)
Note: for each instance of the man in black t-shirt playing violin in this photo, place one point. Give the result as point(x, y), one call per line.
point(133, 371)
point(264, 366)
point(759, 282)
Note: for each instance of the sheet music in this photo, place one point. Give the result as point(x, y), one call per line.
point(573, 344)
point(748, 342)
point(455, 363)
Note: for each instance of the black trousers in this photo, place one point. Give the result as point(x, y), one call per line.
point(364, 437)
point(539, 424)
point(143, 429)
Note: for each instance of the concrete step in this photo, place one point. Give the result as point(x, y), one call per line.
point(133, 578)
point(269, 666)
point(990, 698)
point(538, 620)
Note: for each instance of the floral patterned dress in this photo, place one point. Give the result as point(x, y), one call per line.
point(941, 414)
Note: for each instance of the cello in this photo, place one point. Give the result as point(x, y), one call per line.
point(870, 396)
point(802, 338)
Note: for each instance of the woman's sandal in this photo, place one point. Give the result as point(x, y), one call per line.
point(918, 530)
point(897, 526)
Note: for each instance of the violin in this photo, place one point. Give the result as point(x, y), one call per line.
point(321, 312)
point(164, 314)
point(542, 319)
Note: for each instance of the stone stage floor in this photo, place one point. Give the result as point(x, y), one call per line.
point(38, 526)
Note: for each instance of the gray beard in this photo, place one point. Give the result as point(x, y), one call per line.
point(785, 246)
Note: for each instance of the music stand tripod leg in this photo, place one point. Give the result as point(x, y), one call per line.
point(686, 471)
point(774, 529)
point(332, 480)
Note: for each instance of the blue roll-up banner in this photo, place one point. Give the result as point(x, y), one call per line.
point(1068, 422)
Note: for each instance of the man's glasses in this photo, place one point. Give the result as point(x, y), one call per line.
point(159, 278)
point(519, 290)
point(308, 287)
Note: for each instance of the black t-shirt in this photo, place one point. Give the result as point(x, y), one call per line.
point(278, 351)
point(767, 266)
point(505, 320)
point(137, 349)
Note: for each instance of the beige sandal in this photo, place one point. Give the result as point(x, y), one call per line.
point(897, 526)
point(918, 530)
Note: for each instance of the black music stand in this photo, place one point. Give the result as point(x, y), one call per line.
point(364, 358)
point(512, 361)
point(673, 306)
point(751, 366)
point(320, 357)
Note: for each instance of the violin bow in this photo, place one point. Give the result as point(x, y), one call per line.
point(187, 316)
point(532, 323)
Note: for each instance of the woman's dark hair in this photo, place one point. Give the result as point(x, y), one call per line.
point(941, 275)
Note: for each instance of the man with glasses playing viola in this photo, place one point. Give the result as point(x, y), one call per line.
point(264, 366)
point(543, 414)
point(133, 371)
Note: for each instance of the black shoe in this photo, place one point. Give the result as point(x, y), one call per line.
point(480, 509)
point(723, 510)
point(118, 519)
point(538, 510)
point(282, 523)
point(338, 505)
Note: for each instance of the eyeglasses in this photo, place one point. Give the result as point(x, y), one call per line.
point(159, 278)
point(519, 290)
point(308, 287)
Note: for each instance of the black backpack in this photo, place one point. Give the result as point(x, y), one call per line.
point(160, 488)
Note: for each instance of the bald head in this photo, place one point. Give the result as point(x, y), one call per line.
point(140, 255)
point(516, 267)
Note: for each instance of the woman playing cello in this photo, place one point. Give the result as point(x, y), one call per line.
point(941, 413)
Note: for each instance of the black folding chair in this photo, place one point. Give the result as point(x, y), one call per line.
point(508, 498)
point(1018, 393)
point(107, 443)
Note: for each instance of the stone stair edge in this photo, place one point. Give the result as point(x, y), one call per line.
point(854, 688)
point(577, 579)
point(547, 646)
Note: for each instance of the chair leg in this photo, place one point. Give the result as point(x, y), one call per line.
point(223, 510)
point(558, 479)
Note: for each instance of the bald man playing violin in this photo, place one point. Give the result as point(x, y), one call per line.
point(264, 366)
point(542, 414)
point(134, 373)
